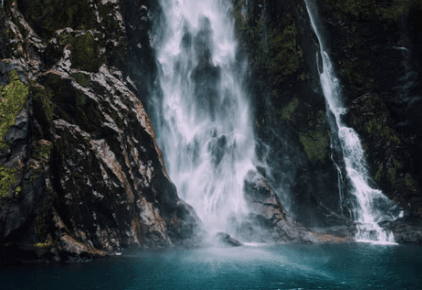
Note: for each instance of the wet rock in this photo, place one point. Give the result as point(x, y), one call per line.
point(226, 240)
point(19, 130)
point(406, 231)
point(87, 175)
point(337, 231)
point(269, 222)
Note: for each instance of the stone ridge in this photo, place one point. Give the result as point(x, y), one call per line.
point(81, 173)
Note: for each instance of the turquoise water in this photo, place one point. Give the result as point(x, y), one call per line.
point(356, 266)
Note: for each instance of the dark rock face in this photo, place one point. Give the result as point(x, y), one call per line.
point(376, 53)
point(291, 122)
point(378, 60)
point(82, 175)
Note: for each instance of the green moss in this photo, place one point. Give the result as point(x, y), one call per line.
point(6, 33)
point(320, 118)
point(43, 149)
point(376, 126)
point(13, 97)
point(385, 10)
point(409, 182)
point(272, 47)
point(379, 172)
point(391, 171)
point(315, 144)
point(284, 56)
point(81, 79)
point(287, 112)
point(47, 16)
point(48, 242)
point(85, 53)
point(33, 178)
point(7, 180)
point(357, 72)
point(42, 245)
point(41, 103)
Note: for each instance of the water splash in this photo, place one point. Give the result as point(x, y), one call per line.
point(371, 204)
point(205, 123)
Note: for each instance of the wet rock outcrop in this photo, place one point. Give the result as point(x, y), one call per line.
point(81, 173)
point(269, 222)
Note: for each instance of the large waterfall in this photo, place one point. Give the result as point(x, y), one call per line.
point(205, 122)
point(371, 205)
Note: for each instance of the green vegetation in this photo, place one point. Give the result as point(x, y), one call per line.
point(47, 16)
point(7, 180)
point(379, 172)
point(85, 54)
point(13, 97)
point(43, 111)
point(385, 10)
point(286, 112)
point(315, 144)
point(272, 47)
point(43, 149)
point(81, 79)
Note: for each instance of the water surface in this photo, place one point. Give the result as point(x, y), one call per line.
point(355, 266)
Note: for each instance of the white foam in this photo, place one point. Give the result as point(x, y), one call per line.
point(188, 129)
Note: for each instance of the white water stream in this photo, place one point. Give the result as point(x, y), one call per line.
point(371, 203)
point(205, 130)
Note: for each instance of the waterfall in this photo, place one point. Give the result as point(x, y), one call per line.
point(204, 126)
point(371, 204)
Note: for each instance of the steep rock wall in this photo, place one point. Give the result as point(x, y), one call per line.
point(277, 39)
point(376, 51)
point(81, 173)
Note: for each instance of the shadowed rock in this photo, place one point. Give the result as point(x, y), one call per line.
point(268, 220)
point(226, 240)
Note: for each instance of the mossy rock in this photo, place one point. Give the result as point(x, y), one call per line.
point(287, 111)
point(7, 180)
point(315, 144)
point(42, 149)
point(383, 10)
point(85, 53)
point(48, 16)
point(81, 79)
point(272, 47)
point(71, 104)
point(42, 108)
point(13, 98)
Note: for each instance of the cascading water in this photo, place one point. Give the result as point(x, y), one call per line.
point(205, 123)
point(371, 204)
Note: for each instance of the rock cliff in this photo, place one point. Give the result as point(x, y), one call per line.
point(376, 52)
point(81, 173)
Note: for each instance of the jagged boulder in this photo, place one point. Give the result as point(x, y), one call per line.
point(268, 220)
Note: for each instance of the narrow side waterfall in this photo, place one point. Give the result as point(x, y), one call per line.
point(371, 204)
point(205, 122)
